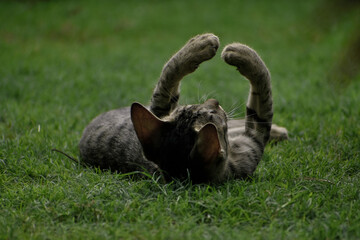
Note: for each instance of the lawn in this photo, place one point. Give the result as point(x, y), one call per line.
point(64, 62)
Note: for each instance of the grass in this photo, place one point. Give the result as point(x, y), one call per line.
point(64, 62)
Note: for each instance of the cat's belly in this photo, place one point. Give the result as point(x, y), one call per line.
point(236, 128)
point(110, 142)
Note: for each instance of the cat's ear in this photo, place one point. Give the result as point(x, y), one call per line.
point(207, 146)
point(148, 128)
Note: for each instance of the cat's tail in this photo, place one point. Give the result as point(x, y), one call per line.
point(259, 106)
point(70, 157)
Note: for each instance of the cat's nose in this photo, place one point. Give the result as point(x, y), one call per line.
point(212, 102)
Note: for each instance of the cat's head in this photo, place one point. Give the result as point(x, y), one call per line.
point(192, 140)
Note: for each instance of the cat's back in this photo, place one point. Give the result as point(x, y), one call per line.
point(110, 142)
point(110, 119)
point(107, 125)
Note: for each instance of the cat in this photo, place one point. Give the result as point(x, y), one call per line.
point(192, 141)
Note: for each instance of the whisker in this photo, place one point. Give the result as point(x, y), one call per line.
point(244, 151)
point(232, 114)
point(198, 92)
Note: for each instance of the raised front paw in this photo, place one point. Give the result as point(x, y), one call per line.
point(199, 49)
point(244, 58)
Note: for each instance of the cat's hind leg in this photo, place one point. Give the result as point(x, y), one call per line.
point(278, 133)
point(167, 91)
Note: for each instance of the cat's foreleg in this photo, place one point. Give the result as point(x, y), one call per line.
point(259, 106)
point(167, 91)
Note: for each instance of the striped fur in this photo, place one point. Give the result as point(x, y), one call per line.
point(193, 140)
point(167, 91)
point(249, 145)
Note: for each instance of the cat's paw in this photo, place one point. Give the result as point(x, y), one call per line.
point(278, 133)
point(244, 58)
point(203, 46)
point(198, 49)
point(237, 54)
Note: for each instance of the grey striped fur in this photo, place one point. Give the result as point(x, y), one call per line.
point(193, 140)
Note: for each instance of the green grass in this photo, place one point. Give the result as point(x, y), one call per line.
point(64, 62)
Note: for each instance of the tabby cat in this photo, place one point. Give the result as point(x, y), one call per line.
point(196, 141)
